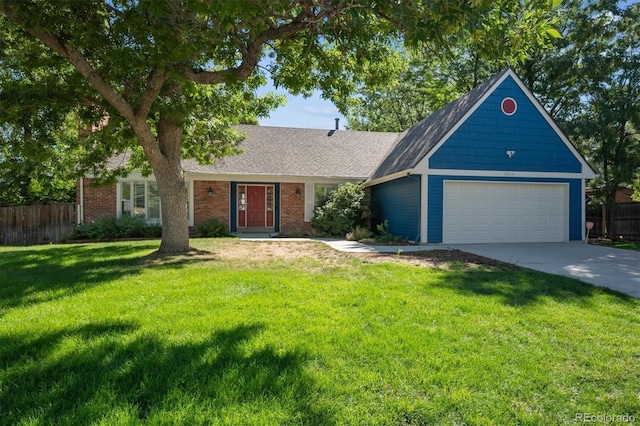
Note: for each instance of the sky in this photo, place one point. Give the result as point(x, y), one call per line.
point(310, 113)
point(313, 112)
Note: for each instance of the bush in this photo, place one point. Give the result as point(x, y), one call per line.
point(385, 236)
point(343, 210)
point(106, 227)
point(359, 233)
point(213, 228)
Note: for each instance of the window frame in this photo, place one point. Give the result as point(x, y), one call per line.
point(131, 181)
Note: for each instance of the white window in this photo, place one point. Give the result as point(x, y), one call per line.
point(322, 191)
point(313, 196)
point(141, 199)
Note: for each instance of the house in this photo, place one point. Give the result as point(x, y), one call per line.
point(491, 166)
point(273, 186)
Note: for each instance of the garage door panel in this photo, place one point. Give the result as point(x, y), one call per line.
point(483, 212)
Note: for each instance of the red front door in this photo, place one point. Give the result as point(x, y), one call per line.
point(256, 206)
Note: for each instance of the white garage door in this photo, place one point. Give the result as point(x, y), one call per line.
point(490, 212)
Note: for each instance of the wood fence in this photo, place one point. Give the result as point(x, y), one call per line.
point(627, 220)
point(36, 224)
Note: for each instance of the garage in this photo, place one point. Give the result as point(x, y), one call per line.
point(504, 212)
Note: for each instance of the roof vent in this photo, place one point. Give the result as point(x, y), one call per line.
point(337, 123)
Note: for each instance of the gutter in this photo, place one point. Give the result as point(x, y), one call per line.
point(387, 178)
point(80, 218)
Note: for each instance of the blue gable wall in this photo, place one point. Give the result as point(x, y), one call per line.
point(481, 142)
point(435, 207)
point(398, 201)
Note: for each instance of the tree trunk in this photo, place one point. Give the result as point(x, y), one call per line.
point(175, 219)
point(167, 168)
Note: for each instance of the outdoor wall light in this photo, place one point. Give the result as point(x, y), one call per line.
point(210, 192)
point(511, 153)
point(298, 193)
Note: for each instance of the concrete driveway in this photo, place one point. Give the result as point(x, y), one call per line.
point(599, 265)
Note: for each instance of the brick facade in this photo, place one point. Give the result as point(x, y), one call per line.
point(98, 201)
point(101, 201)
point(292, 209)
point(216, 206)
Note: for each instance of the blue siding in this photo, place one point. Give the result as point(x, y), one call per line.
point(435, 206)
point(481, 142)
point(233, 217)
point(398, 201)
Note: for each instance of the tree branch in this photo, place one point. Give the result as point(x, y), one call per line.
point(137, 119)
point(155, 82)
point(252, 51)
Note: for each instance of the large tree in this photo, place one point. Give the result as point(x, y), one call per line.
point(608, 39)
point(172, 76)
point(590, 83)
point(423, 79)
point(37, 156)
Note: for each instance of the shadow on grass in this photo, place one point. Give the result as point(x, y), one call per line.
point(46, 273)
point(111, 372)
point(521, 287)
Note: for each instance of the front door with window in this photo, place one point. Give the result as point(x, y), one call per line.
point(255, 206)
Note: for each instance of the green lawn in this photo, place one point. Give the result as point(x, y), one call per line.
point(627, 245)
point(294, 333)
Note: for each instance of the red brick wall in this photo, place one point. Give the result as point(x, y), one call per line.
point(292, 209)
point(98, 201)
point(205, 207)
point(102, 202)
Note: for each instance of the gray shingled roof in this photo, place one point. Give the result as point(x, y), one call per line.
point(416, 142)
point(282, 151)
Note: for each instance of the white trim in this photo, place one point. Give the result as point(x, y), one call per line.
point(137, 177)
point(119, 197)
point(271, 178)
point(266, 187)
point(388, 178)
point(81, 205)
point(515, 104)
point(309, 201)
point(583, 209)
point(504, 174)
point(424, 210)
point(190, 197)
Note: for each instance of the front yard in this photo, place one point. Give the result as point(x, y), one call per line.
point(294, 333)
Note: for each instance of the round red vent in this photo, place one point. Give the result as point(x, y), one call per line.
point(509, 106)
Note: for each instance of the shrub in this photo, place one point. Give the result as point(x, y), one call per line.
point(343, 210)
point(359, 233)
point(385, 236)
point(106, 227)
point(213, 228)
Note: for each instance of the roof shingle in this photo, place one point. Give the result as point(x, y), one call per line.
point(282, 151)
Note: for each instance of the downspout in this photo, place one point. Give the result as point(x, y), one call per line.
point(81, 205)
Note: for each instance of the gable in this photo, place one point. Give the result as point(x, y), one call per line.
point(482, 140)
point(416, 142)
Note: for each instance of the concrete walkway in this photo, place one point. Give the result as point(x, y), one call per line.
point(603, 266)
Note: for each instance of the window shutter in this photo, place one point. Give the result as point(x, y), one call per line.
point(309, 201)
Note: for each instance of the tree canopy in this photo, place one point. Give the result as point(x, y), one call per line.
point(173, 76)
point(426, 77)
